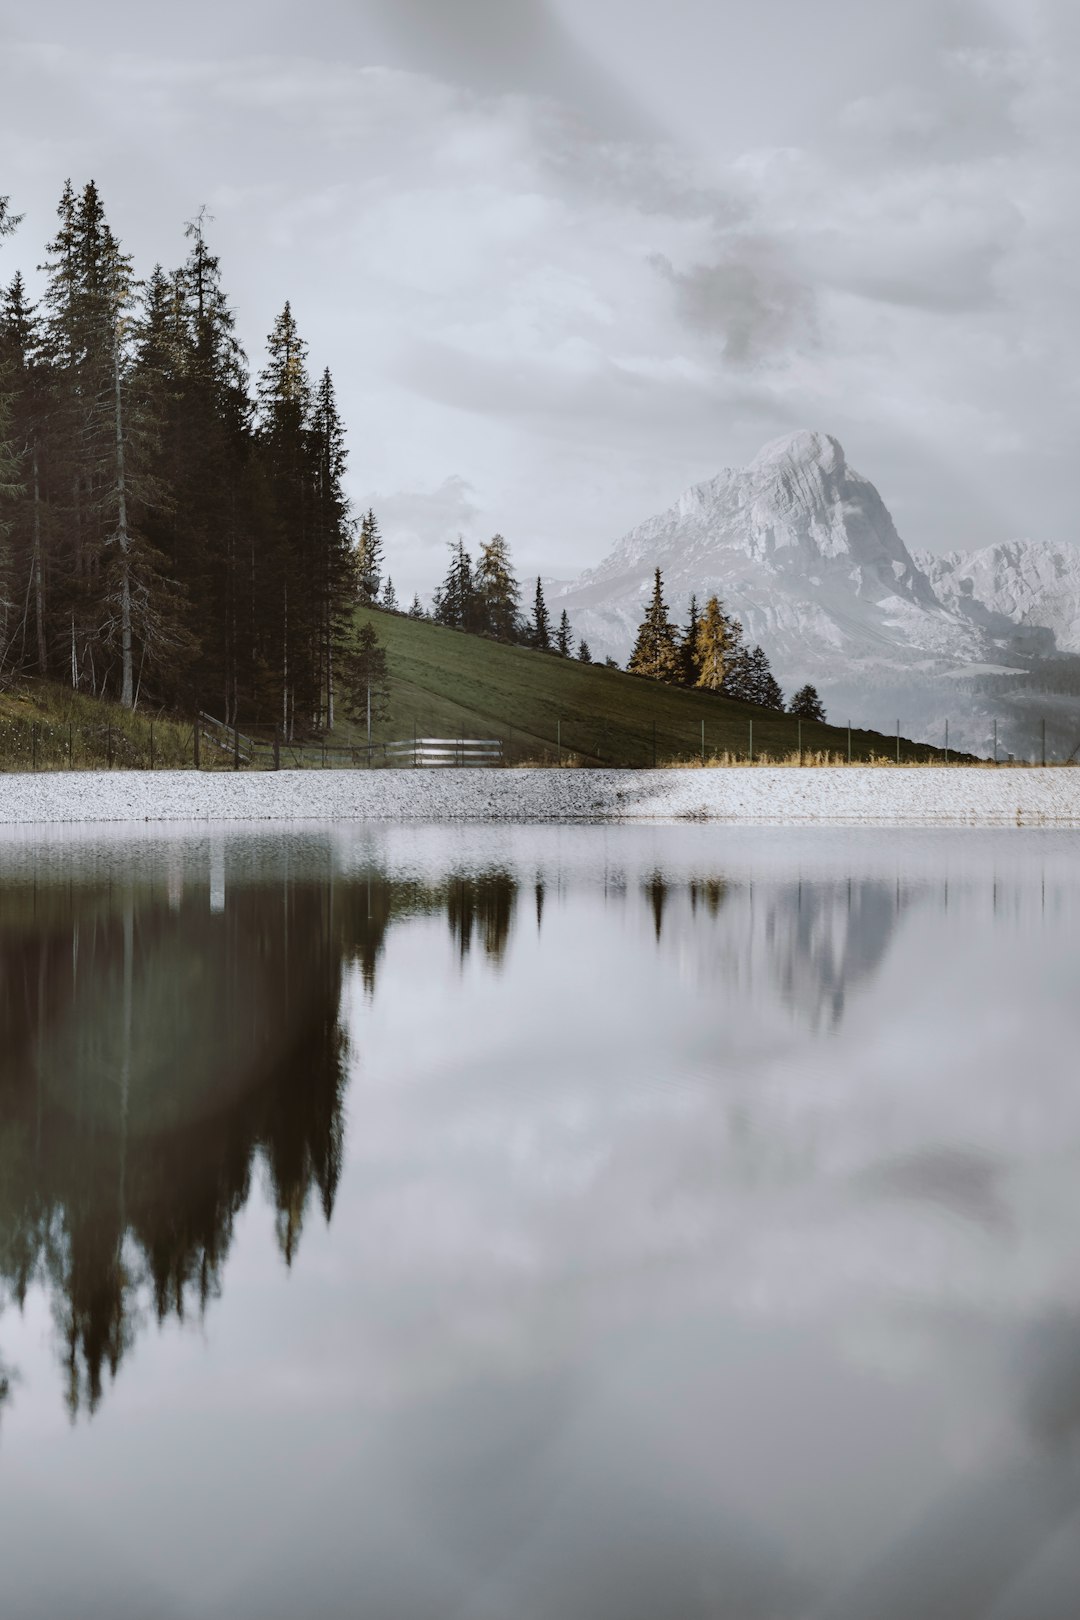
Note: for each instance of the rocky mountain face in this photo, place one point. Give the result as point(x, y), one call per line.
point(803, 550)
point(1028, 581)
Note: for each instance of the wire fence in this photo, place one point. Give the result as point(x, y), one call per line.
point(137, 744)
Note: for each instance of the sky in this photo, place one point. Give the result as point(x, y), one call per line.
point(566, 258)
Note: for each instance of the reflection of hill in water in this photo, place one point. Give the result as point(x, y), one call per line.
point(156, 1047)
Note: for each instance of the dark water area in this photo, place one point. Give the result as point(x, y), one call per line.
point(584, 1223)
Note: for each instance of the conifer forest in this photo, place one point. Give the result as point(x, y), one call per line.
point(172, 524)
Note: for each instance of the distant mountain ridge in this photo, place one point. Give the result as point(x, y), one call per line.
point(803, 550)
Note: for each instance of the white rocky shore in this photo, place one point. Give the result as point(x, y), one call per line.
point(895, 796)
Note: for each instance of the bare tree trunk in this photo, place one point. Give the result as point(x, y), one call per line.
point(39, 584)
point(329, 678)
point(127, 696)
point(285, 673)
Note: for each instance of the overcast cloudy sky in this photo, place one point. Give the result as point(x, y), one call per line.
point(566, 257)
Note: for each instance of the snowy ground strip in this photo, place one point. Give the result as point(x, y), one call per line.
point(923, 796)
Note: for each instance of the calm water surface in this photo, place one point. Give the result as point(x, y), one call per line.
point(560, 1224)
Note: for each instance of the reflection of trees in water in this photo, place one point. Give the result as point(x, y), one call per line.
point(154, 1051)
point(484, 904)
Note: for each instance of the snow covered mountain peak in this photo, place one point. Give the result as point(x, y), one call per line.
point(802, 549)
point(796, 509)
point(804, 448)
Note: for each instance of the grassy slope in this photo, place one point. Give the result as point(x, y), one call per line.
point(446, 684)
point(96, 731)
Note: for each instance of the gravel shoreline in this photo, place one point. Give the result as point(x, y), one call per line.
point(847, 795)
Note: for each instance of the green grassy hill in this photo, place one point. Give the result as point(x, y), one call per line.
point(46, 726)
point(447, 684)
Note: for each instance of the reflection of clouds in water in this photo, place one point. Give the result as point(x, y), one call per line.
point(651, 1279)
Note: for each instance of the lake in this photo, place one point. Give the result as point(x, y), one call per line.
point(567, 1223)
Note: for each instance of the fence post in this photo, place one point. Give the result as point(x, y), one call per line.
point(151, 745)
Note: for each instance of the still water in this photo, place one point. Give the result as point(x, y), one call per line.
point(540, 1224)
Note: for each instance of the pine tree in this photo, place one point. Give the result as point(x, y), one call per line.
point(455, 600)
point(540, 628)
point(369, 559)
point(389, 596)
point(763, 688)
point(564, 641)
point(366, 677)
point(335, 560)
point(289, 609)
point(497, 591)
point(584, 655)
point(689, 667)
point(11, 471)
point(807, 704)
point(713, 649)
point(655, 653)
point(416, 611)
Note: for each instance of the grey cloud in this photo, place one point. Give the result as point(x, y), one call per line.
point(752, 301)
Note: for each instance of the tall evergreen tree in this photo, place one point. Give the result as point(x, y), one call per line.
point(564, 641)
point(455, 603)
point(335, 560)
point(497, 591)
point(389, 596)
point(540, 628)
point(369, 559)
point(717, 644)
point(11, 478)
point(689, 668)
point(416, 610)
point(655, 652)
point(763, 687)
point(290, 603)
point(366, 677)
point(584, 655)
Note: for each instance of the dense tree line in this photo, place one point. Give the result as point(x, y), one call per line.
point(166, 527)
point(484, 598)
point(707, 653)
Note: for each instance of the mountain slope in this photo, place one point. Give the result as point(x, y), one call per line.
point(1029, 582)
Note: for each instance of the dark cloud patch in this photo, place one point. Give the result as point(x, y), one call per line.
point(751, 302)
